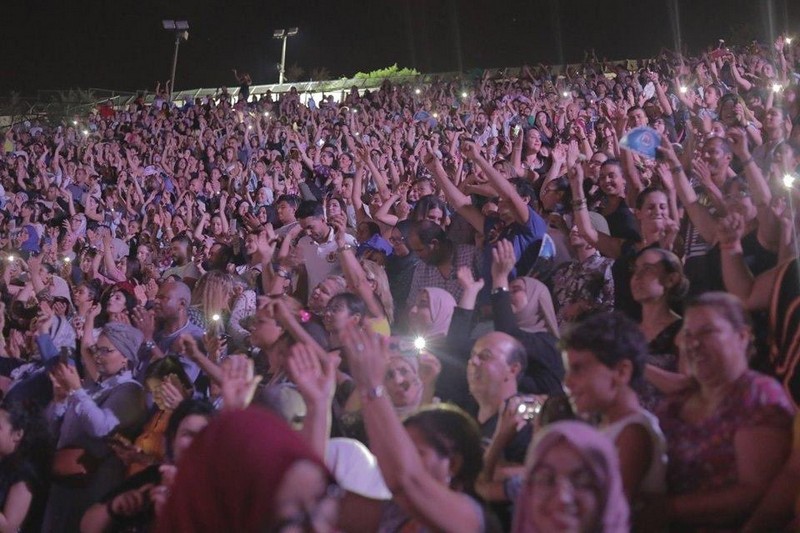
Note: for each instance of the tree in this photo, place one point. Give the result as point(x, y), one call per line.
point(294, 73)
point(388, 72)
point(320, 74)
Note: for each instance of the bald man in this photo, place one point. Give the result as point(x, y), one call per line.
point(162, 326)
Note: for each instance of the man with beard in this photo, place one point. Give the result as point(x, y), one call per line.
point(183, 268)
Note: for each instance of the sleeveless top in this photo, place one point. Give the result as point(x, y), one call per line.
point(654, 481)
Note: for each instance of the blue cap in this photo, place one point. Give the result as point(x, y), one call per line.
point(377, 243)
point(643, 140)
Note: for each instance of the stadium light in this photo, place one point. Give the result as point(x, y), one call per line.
point(283, 34)
point(181, 30)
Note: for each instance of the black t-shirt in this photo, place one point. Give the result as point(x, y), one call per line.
point(14, 470)
point(516, 449)
point(622, 223)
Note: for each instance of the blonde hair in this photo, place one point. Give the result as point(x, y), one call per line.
point(382, 291)
point(212, 293)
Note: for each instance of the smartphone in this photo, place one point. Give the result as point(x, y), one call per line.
point(65, 357)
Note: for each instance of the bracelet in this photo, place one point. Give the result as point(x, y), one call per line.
point(577, 205)
point(499, 290)
point(283, 273)
point(675, 169)
point(374, 393)
point(747, 161)
point(345, 248)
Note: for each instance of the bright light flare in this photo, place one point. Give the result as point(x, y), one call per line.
point(419, 343)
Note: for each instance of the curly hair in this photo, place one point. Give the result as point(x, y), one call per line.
point(612, 338)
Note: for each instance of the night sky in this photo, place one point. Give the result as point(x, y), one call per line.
point(116, 44)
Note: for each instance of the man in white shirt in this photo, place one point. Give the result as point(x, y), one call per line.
point(318, 247)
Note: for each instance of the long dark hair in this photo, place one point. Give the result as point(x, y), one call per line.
point(451, 431)
point(35, 449)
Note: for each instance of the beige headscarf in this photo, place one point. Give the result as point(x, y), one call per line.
point(538, 315)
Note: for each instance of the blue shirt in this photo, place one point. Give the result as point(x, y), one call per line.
point(522, 237)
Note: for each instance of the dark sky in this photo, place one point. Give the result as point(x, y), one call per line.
point(118, 44)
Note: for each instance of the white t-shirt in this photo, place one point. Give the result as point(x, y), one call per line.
point(654, 481)
point(321, 259)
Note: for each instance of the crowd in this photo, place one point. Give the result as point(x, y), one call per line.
point(474, 305)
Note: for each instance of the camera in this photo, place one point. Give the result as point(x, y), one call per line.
point(530, 407)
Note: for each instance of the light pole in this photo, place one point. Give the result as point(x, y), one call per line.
point(283, 34)
point(181, 30)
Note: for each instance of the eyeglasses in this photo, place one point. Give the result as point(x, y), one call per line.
point(735, 195)
point(544, 480)
point(101, 350)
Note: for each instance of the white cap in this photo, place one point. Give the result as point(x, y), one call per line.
point(356, 469)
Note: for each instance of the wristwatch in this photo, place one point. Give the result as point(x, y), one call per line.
point(373, 393)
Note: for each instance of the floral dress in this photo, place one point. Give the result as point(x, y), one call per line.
point(702, 456)
point(589, 281)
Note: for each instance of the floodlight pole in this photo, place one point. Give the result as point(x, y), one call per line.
point(174, 64)
point(283, 58)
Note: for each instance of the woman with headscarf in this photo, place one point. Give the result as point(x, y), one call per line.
point(523, 308)
point(248, 471)
point(572, 483)
point(430, 315)
point(82, 415)
point(431, 322)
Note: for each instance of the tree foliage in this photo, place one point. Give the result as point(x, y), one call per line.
point(388, 72)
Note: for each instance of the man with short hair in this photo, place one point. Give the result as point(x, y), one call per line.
point(318, 248)
point(183, 268)
point(285, 208)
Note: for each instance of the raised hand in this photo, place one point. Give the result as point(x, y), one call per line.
point(665, 175)
point(367, 355)
point(559, 154)
point(503, 260)
point(146, 322)
point(730, 230)
point(738, 140)
point(467, 280)
point(702, 169)
point(314, 373)
point(239, 382)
